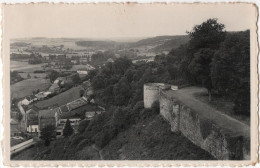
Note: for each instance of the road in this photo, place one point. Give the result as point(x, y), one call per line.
point(229, 124)
point(23, 120)
point(21, 146)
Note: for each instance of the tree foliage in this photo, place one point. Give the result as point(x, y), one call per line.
point(47, 133)
point(68, 130)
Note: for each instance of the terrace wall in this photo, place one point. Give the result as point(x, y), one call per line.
point(202, 132)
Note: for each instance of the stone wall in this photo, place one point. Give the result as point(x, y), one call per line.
point(151, 93)
point(202, 132)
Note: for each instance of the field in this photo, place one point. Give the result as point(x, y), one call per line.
point(26, 87)
point(33, 75)
point(24, 66)
point(62, 98)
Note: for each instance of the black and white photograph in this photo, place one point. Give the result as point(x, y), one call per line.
point(159, 82)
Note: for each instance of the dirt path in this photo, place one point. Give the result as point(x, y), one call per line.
point(229, 124)
point(23, 120)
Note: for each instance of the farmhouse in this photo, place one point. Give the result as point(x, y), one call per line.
point(48, 117)
point(32, 120)
point(90, 114)
point(82, 71)
point(54, 88)
point(63, 80)
point(42, 95)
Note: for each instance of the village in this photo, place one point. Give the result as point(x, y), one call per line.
point(68, 97)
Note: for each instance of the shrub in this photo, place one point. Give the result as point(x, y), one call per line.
point(77, 139)
point(82, 144)
point(68, 130)
point(83, 125)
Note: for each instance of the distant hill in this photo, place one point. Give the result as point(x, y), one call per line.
point(96, 44)
point(173, 43)
point(152, 41)
point(161, 43)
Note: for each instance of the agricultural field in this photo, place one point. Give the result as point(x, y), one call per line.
point(33, 75)
point(26, 87)
point(62, 98)
point(24, 66)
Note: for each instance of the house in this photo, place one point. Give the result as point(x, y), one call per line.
point(90, 114)
point(32, 120)
point(54, 88)
point(63, 80)
point(14, 127)
point(48, 117)
point(42, 95)
point(82, 71)
point(29, 99)
point(110, 60)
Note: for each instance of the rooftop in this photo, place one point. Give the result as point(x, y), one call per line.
point(48, 113)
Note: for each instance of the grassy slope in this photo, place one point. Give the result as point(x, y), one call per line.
point(61, 98)
point(152, 139)
point(25, 87)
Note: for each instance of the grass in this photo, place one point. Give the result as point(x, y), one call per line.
point(26, 87)
point(222, 105)
point(33, 75)
point(61, 99)
point(152, 139)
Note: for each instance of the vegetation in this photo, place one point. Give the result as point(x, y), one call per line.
point(68, 130)
point(26, 87)
point(47, 133)
point(15, 77)
point(61, 99)
point(35, 60)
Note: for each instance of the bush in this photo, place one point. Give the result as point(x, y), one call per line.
point(76, 140)
point(156, 107)
point(83, 125)
point(82, 144)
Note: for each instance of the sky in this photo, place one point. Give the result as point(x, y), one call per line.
point(115, 21)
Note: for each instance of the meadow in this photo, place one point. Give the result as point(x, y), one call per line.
point(61, 99)
point(26, 87)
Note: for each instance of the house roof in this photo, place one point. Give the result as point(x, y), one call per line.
point(32, 108)
point(31, 97)
point(77, 103)
point(48, 113)
point(32, 122)
point(54, 86)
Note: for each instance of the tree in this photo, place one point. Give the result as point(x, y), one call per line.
point(47, 133)
point(98, 82)
point(199, 68)
point(76, 79)
point(68, 130)
point(28, 76)
point(230, 70)
point(209, 34)
point(205, 39)
point(53, 75)
point(81, 93)
point(122, 92)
